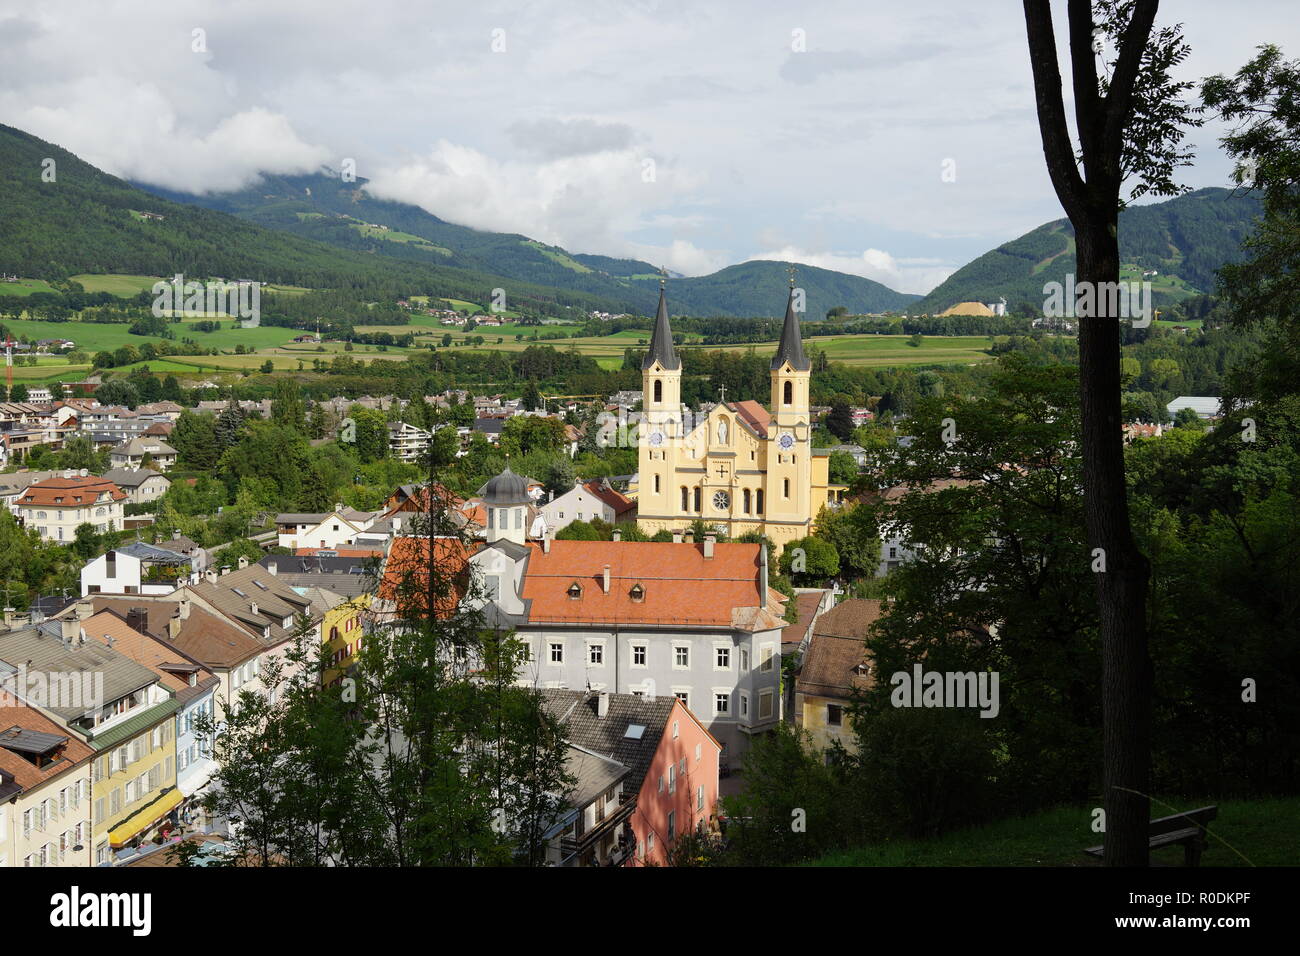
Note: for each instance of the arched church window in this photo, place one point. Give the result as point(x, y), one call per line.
point(789, 393)
point(659, 390)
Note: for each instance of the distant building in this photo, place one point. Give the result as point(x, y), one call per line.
point(134, 452)
point(142, 485)
point(56, 507)
point(1205, 406)
point(833, 669)
point(137, 568)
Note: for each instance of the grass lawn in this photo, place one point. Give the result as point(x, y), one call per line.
point(1262, 832)
point(25, 287)
point(124, 286)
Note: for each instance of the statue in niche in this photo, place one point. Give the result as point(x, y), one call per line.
point(722, 431)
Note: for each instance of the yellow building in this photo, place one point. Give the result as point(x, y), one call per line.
point(834, 668)
point(342, 630)
point(740, 468)
point(134, 779)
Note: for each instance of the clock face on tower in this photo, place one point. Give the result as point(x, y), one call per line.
point(786, 441)
point(656, 438)
point(721, 500)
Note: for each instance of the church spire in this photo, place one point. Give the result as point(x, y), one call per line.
point(790, 348)
point(661, 339)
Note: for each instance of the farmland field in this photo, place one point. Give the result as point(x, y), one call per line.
point(120, 285)
point(25, 287)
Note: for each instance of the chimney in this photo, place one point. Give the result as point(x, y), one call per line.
point(762, 575)
point(183, 608)
point(338, 506)
point(252, 606)
point(604, 581)
point(176, 534)
point(225, 569)
point(272, 568)
point(708, 546)
point(617, 535)
point(602, 705)
point(84, 610)
point(688, 537)
point(677, 537)
point(546, 545)
point(69, 628)
point(243, 562)
point(210, 575)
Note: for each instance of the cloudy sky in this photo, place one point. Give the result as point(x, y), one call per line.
point(694, 135)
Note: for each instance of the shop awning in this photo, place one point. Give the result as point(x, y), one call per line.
point(144, 818)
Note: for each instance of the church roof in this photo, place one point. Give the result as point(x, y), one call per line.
point(753, 414)
point(790, 348)
point(661, 341)
point(506, 488)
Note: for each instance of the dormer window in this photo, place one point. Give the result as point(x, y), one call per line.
point(637, 593)
point(575, 591)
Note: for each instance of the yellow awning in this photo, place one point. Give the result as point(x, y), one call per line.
point(145, 817)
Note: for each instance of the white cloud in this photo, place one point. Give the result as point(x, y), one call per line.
point(901, 275)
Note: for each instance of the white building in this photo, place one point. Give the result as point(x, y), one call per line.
point(137, 568)
point(322, 531)
point(56, 507)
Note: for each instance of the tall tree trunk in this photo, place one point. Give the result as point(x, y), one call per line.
point(1093, 207)
point(1122, 585)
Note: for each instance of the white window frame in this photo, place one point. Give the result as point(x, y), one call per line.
point(644, 648)
point(551, 647)
point(721, 692)
point(681, 646)
point(719, 650)
point(594, 644)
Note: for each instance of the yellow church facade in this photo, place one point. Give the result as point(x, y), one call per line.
point(741, 467)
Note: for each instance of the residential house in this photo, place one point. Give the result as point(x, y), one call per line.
point(657, 764)
point(194, 687)
point(137, 568)
point(585, 501)
point(407, 442)
point(834, 667)
point(137, 452)
point(116, 706)
point(695, 621)
point(142, 485)
point(328, 530)
point(45, 790)
point(56, 507)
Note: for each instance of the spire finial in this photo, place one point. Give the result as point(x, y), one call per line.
point(791, 271)
point(663, 277)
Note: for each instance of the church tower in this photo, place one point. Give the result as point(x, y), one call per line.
point(660, 431)
point(789, 458)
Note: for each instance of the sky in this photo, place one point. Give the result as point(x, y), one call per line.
point(891, 140)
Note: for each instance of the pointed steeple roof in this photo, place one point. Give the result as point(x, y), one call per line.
point(661, 340)
point(790, 348)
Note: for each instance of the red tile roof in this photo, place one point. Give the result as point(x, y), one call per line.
point(405, 577)
point(615, 499)
point(754, 414)
point(70, 492)
point(679, 584)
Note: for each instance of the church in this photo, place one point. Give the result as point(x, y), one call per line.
point(740, 468)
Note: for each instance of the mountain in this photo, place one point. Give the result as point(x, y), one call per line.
point(85, 220)
point(1184, 240)
point(323, 207)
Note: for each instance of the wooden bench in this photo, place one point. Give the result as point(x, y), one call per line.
point(1185, 828)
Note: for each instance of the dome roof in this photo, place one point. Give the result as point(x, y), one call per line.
point(506, 488)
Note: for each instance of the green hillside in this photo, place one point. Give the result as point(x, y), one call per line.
point(321, 206)
point(88, 222)
point(1184, 240)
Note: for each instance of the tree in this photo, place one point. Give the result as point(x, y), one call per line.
point(117, 392)
point(842, 468)
point(532, 396)
point(287, 406)
point(195, 440)
point(370, 429)
point(1261, 104)
point(1129, 123)
point(18, 393)
point(559, 475)
point(839, 421)
point(79, 452)
point(810, 561)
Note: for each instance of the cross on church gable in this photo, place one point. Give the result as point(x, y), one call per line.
point(722, 470)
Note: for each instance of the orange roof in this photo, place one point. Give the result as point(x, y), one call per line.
point(615, 499)
point(342, 552)
point(70, 492)
point(754, 414)
point(405, 577)
point(679, 584)
point(24, 773)
point(139, 647)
